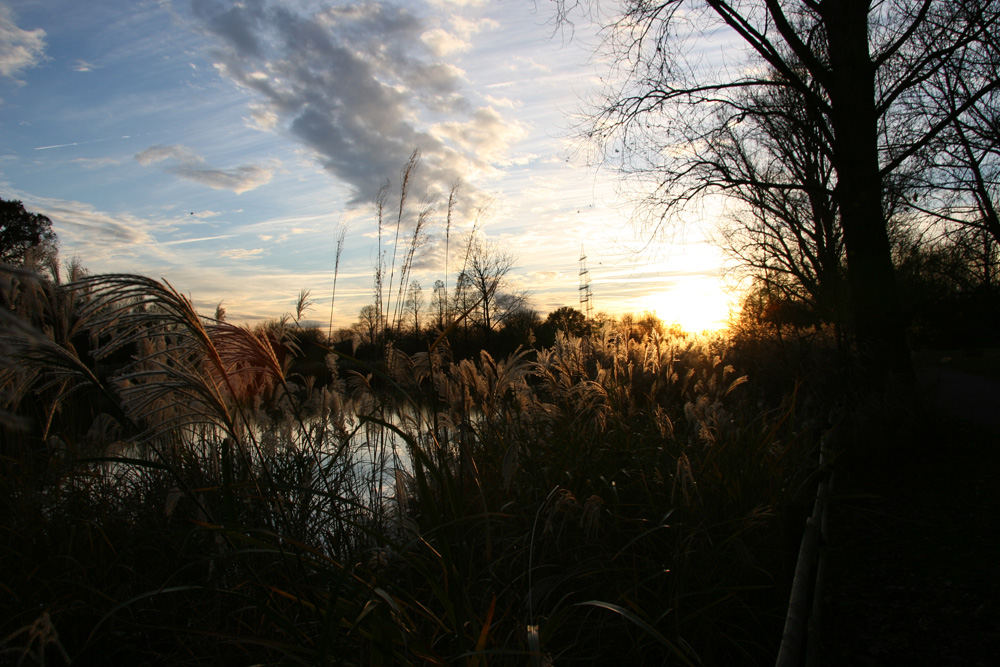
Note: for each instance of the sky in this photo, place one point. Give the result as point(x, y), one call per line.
point(223, 145)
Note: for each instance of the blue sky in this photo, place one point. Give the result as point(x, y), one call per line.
point(222, 144)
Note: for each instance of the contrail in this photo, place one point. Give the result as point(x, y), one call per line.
point(45, 148)
point(79, 143)
point(197, 240)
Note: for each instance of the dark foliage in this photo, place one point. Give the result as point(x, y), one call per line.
point(22, 232)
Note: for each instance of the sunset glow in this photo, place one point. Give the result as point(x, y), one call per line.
point(696, 305)
point(251, 149)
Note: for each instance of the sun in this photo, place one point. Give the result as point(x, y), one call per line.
point(695, 304)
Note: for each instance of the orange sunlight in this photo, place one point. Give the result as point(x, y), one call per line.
point(697, 305)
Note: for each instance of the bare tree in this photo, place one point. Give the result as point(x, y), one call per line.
point(859, 67)
point(369, 324)
point(776, 162)
point(439, 303)
point(978, 252)
point(414, 304)
point(962, 186)
point(485, 275)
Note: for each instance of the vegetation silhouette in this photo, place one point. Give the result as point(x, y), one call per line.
point(22, 232)
point(865, 79)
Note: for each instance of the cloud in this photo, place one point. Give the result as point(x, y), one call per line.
point(19, 49)
point(201, 215)
point(155, 154)
point(184, 162)
point(443, 43)
point(262, 118)
point(97, 162)
point(242, 253)
point(91, 231)
point(84, 66)
point(466, 28)
point(238, 179)
point(486, 133)
point(504, 102)
point(354, 84)
point(458, 3)
point(200, 239)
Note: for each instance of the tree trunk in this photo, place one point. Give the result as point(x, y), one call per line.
point(878, 325)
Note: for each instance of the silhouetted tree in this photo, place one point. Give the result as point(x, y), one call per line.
point(564, 319)
point(369, 324)
point(962, 185)
point(518, 330)
point(414, 304)
point(949, 288)
point(979, 253)
point(22, 232)
point(776, 161)
point(484, 277)
point(569, 320)
point(439, 303)
point(859, 68)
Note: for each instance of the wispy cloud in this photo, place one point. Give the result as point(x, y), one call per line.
point(200, 239)
point(84, 66)
point(19, 49)
point(184, 162)
point(466, 28)
point(96, 162)
point(458, 3)
point(242, 253)
point(91, 231)
point(353, 84)
point(486, 133)
point(443, 43)
point(521, 64)
point(204, 214)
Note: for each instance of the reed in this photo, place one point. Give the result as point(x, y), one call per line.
point(608, 496)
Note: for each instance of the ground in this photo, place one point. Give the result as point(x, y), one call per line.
point(913, 555)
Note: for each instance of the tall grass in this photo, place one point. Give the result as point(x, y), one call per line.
point(174, 495)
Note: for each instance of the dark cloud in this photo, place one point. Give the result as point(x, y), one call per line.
point(235, 22)
point(353, 83)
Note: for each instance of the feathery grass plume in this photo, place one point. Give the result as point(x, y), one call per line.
point(404, 184)
point(379, 277)
point(617, 495)
point(416, 241)
point(302, 304)
point(42, 370)
point(342, 234)
point(452, 198)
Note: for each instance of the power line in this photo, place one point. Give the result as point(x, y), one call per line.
point(586, 294)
